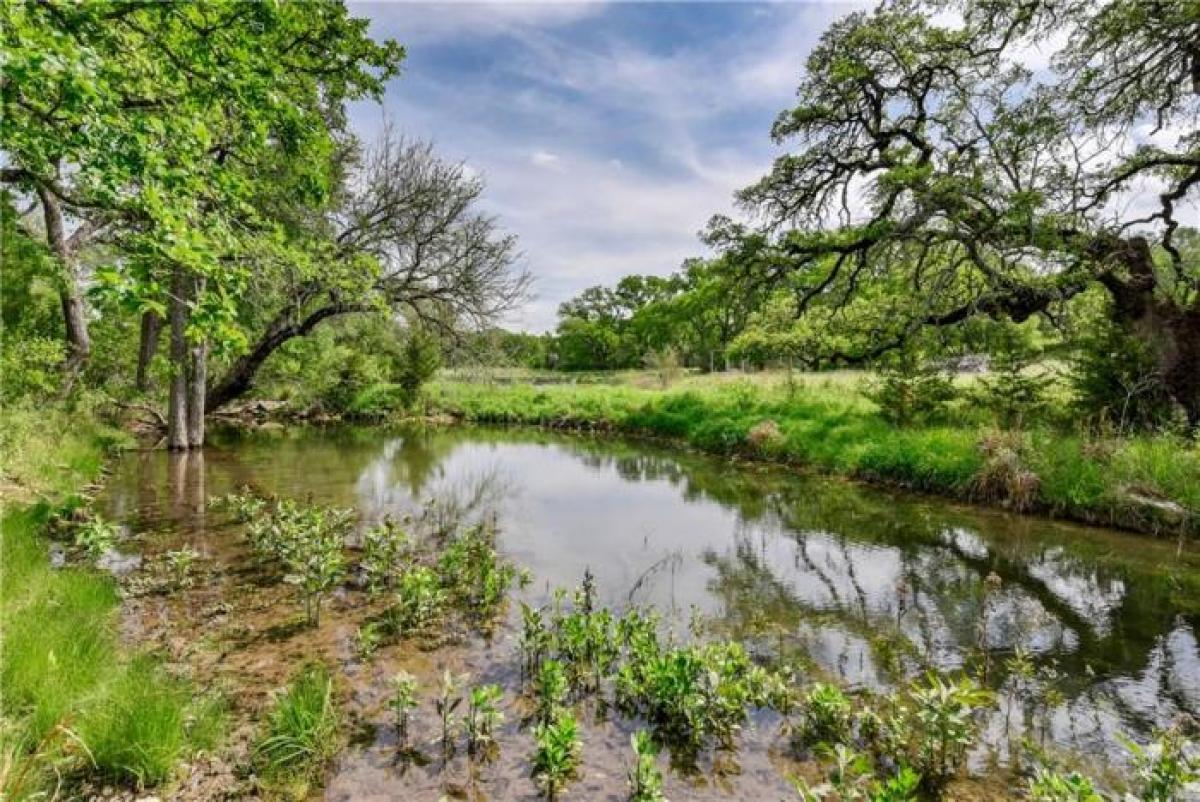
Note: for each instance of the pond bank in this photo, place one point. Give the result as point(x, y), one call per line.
point(1144, 484)
point(81, 709)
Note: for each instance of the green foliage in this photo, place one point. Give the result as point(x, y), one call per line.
point(1014, 390)
point(483, 717)
point(449, 700)
point(556, 753)
point(404, 699)
point(353, 374)
point(826, 715)
point(30, 367)
point(419, 362)
point(1166, 769)
point(551, 688)
point(942, 718)
point(1050, 786)
point(419, 601)
point(911, 388)
point(95, 536)
point(301, 731)
point(386, 548)
point(645, 779)
point(308, 541)
point(1117, 380)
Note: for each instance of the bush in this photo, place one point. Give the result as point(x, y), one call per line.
point(419, 362)
point(911, 388)
point(29, 367)
point(1117, 381)
point(1014, 393)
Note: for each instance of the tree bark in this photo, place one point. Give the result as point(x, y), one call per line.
point(286, 325)
point(1171, 331)
point(177, 418)
point(147, 347)
point(197, 382)
point(79, 343)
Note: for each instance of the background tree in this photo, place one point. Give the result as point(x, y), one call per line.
point(402, 233)
point(934, 173)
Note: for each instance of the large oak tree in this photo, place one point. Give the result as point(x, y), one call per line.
point(935, 171)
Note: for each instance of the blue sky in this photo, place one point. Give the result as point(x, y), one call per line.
point(608, 133)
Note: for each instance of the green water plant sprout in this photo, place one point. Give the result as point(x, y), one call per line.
point(96, 536)
point(556, 754)
point(447, 702)
point(404, 699)
point(385, 549)
point(645, 779)
point(483, 717)
point(551, 689)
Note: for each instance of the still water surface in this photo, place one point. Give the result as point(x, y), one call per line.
point(862, 584)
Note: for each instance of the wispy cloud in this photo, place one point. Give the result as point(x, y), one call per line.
point(608, 134)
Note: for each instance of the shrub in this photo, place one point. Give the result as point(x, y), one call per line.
point(1012, 391)
point(1050, 786)
point(1117, 380)
point(911, 388)
point(419, 362)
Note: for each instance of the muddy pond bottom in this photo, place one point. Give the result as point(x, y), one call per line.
point(865, 586)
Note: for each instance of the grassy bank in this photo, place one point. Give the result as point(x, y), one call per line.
point(77, 707)
point(1148, 484)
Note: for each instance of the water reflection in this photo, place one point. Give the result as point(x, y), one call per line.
point(866, 585)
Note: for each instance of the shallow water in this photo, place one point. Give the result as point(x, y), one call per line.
point(862, 584)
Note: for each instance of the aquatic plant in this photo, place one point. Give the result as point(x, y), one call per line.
point(536, 640)
point(96, 536)
point(368, 638)
point(315, 564)
point(556, 753)
point(943, 720)
point(1050, 786)
point(180, 563)
point(384, 548)
point(1165, 768)
point(483, 717)
point(474, 576)
point(694, 693)
point(402, 702)
point(645, 779)
point(826, 715)
point(244, 506)
point(301, 728)
point(447, 702)
point(551, 689)
point(419, 601)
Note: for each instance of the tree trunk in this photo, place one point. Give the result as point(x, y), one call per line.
point(286, 325)
point(147, 347)
point(1172, 332)
point(177, 418)
point(197, 383)
point(79, 343)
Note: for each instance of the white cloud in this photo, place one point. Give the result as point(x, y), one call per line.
point(544, 158)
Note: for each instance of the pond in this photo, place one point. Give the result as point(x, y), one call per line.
point(860, 584)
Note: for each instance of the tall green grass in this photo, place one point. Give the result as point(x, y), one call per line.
point(300, 735)
point(832, 427)
point(74, 702)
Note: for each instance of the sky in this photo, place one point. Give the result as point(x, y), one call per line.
point(608, 134)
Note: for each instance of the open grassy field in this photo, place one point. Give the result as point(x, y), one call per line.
point(825, 421)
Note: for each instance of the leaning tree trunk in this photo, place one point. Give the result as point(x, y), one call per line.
point(287, 325)
point(79, 343)
point(177, 418)
point(147, 347)
point(197, 383)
